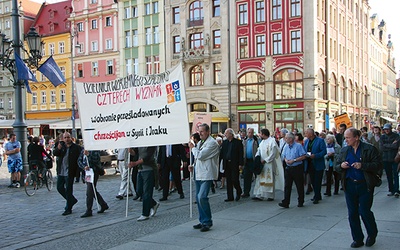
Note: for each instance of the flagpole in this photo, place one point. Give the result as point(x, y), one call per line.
point(19, 125)
point(73, 34)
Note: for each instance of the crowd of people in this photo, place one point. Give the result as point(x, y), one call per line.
point(348, 159)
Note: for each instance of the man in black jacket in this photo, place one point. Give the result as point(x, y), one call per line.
point(359, 164)
point(169, 159)
point(232, 157)
point(67, 154)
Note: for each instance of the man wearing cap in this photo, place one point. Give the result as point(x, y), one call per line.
point(389, 144)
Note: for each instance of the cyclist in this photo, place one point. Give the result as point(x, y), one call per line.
point(35, 155)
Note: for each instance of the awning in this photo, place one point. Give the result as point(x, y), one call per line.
point(215, 116)
point(388, 119)
point(29, 123)
point(65, 124)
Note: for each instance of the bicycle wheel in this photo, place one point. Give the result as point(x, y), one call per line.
point(49, 180)
point(31, 184)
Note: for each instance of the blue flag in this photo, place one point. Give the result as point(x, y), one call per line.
point(51, 70)
point(28, 89)
point(24, 72)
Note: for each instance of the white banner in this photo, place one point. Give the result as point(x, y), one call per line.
point(134, 111)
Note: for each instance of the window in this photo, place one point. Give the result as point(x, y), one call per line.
point(10, 103)
point(43, 50)
point(176, 15)
point(95, 46)
point(252, 87)
point(148, 65)
point(243, 14)
point(110, 65)
point(197, 76)
point(217, 73)
point(148, 36)
point(217, 39)
point(134, 11)
point(261, 45)
point(260, 12)
point(135, 65)
point(95, 68)
point(62, 69)
point(94, 24)
point(155, 33)
point(67, 25)
point(155, 7)
point(7, 24)
point(295, 8)
point(296, 41)
point(52, 27)
point(156, 60)
point(108, 44)
point(108, 21)
point(288, 84)
point(80, 70)
point(51, 48)
point(216, 8)
point(53, 96)
point(93, 1)
point(276, 9)
point(251, 118)
point(6, 9)
point(34, 98)
point(128, 42)
point(177, 44)
point(196, 13)
point(277, 43)
point(196, 41)
point(79, 27)
point(128, 63)
point(244, 50)
point(128, 12)
point(61, 47)
point(44, 98)
point(135, 38)
point(147, 8)
point(62, 96)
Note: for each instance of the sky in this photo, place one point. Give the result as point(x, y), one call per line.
point(388, 10)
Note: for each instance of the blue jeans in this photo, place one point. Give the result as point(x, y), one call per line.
point(359, 202)
point(392, 176)
point(145, 182)
point(316, 182)
point(202, 190)
point(65, 188)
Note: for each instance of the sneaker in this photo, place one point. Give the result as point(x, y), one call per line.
point(142, 218)
point(153, 210)
point(12, 185)
point(395, 195)
point(17, 185)
point(390, 194)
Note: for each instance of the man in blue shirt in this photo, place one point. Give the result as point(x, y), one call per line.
point(14, 162)
point(250, 145)
point(293, 155)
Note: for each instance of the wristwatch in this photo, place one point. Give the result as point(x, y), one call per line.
point(295, 160)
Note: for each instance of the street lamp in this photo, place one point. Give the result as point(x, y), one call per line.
point(74, 33)
point(9, 49)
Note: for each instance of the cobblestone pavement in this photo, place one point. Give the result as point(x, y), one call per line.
point(36, 222)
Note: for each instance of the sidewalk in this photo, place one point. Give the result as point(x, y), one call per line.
point(264, 225)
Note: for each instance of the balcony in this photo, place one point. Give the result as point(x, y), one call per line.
point(195, 22)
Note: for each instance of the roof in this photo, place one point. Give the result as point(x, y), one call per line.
point(30, 7)
point(52, 18)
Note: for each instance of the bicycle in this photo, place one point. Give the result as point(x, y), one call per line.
point(34, 181)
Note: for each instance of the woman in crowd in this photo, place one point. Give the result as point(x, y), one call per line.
point(333, 150)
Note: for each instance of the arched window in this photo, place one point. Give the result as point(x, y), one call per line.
point(334, 88)
point(196, 14)
point(351, 93)
point(252, 87)
point(197, 76)
point(288, 84)
point(321, 84)
point(342, 86)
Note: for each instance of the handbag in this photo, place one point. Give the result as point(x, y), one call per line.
point(258, 166)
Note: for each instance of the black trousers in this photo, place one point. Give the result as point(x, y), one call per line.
point(247, 176)
point(134, 180)
point(169, 167)
point(294, 174)
point(90, 197)
point(336, 175)
point(232, 179)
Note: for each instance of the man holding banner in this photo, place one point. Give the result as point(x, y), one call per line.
point(206, 155)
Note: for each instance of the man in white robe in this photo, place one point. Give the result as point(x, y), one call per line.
point(272, 175)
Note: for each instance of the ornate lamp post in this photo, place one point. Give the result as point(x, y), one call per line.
point(8, 51)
